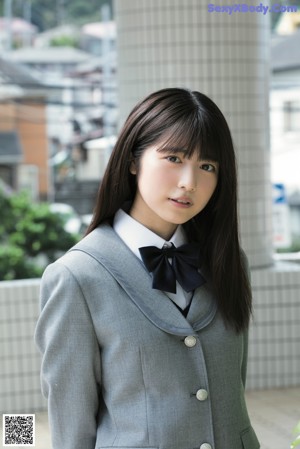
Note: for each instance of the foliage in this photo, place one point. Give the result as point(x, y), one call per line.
point(47, 14)
point(64, 41)
point(13, 264)
point(296, 442)
point(295, 246)
point(31, 236)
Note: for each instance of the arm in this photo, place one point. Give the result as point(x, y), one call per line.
point(246, 332)
point(245, 358)
point(71, 360)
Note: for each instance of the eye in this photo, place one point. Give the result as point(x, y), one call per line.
point(173, 159)
point(208, 167)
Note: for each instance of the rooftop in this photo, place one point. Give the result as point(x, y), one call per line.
point(13, 73)
point(62, 55)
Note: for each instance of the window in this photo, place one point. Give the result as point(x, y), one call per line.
point(291, 111)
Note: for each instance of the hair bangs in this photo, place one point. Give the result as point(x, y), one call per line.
point(190, 137)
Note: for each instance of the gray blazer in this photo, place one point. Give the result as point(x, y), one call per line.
point(123, 368)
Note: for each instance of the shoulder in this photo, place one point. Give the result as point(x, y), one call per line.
point(77, 264)
point(96, 240)
point(75, 278)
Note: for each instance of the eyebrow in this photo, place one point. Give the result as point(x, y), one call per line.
point(169, 150)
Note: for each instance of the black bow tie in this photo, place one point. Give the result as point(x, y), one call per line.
point(184, 268)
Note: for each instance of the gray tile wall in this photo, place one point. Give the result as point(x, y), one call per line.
point(19, 359)
point(274, 349)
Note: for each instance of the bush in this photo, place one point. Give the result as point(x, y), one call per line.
point(296, 442)
point(13, 264)
point(295, 246)
point(64, 41)
point(31, 236)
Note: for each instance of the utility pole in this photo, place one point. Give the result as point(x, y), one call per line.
point(27, 18)
point(106, 72)
point(60, 12)
point(8, 19)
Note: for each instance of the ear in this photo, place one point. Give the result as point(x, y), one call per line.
point(132, 167)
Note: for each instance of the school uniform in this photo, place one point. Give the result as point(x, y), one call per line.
point(123, 367)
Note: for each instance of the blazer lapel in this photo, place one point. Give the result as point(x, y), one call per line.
point(203, 307)
point(104, 245)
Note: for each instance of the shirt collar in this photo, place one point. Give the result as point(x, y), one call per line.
point(135, 235)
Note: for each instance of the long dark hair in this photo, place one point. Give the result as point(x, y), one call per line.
point(178, 117)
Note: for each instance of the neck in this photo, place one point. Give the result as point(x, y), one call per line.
point(162, 229)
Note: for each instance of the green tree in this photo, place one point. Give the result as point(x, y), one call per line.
point(31, 236)
point(64, 41)
point(46, 14)
point(296, 442)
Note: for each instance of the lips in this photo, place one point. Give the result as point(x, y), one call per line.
point(184, 201)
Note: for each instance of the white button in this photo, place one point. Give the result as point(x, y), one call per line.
point(202, 395)
point(190, 341)
point(205, 446)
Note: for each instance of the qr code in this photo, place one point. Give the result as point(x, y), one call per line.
point(18, 430)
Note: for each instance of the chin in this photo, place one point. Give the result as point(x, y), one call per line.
point(178, 222)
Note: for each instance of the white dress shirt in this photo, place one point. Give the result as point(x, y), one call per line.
point(135, 235)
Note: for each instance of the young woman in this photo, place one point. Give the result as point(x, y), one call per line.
point(143, 326)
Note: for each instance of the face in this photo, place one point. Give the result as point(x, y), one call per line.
point(171, 189)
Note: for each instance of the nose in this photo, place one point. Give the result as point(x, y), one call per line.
point(188, 179)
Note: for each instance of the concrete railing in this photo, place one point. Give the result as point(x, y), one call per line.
point(274, 354)
point(274, 359)
point(20, 360)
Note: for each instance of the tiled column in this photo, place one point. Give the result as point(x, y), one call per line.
point(179, 43)
point(167, 43)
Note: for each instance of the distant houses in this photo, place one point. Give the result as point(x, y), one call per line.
point(23, 131)
point(76, 91)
